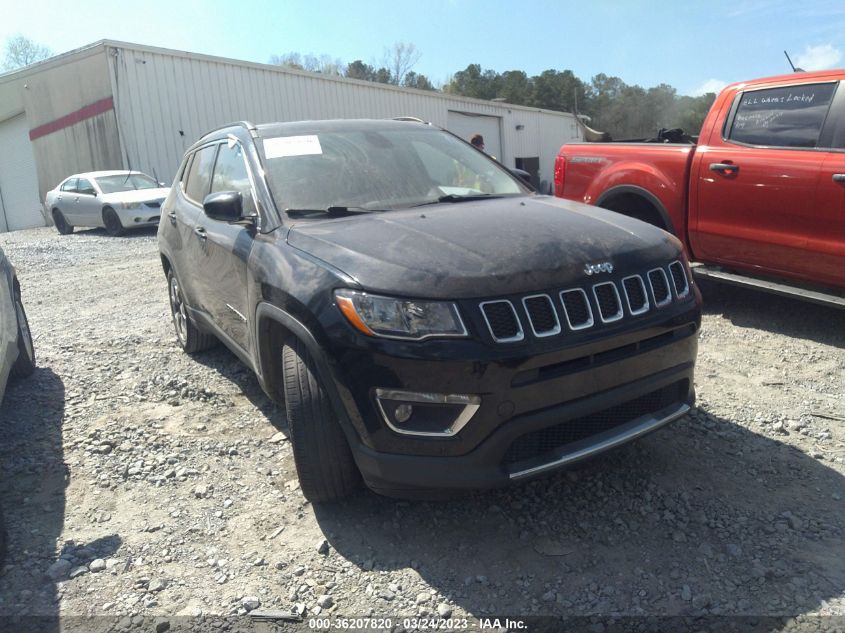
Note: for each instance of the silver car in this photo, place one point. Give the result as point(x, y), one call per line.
point(17, 354)
point(116, 200)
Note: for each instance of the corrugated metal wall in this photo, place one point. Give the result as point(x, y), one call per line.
point(48, 92)
point(166, 100)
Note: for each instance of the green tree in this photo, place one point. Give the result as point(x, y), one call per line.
point(360, 70)
point(420, 82)
point(474, 82)
point(516, 87)
point(556, 90)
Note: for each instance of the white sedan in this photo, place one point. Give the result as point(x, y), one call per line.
point(116, 200)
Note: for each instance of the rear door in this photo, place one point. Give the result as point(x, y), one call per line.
point(227, 248)
point(185, 217)
point(757, 179)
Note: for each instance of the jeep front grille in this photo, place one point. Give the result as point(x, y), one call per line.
point(502, 320)
point(541, 315)
point(579, 315)
point(659, 287)
point(572, 309)
point(607, 298)
point(679, 279)
point(635, 294)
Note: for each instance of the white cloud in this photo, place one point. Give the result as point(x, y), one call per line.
point(819, 57)
point(711, 85)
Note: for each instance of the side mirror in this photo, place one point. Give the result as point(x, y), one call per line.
point(521, 174)
point(226, 206)
point(161, 184)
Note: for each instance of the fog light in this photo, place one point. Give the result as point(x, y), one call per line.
point(403, 413)
point(428, 414)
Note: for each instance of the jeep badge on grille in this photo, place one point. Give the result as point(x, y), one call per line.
point(595, 269)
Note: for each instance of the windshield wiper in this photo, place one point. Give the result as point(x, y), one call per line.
point(330, 211)
point(456, 198)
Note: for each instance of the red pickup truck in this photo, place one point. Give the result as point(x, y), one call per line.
point(758, 197)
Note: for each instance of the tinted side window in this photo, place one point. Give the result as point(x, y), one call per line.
point(85, 186)
point(199, 175)
point(230, 175)
point(782, 117)
point(69, 185)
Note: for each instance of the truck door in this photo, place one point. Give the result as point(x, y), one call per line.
point(757, 180)
point(829, 242)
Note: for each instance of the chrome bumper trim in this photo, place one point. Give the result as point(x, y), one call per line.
point(632, 430)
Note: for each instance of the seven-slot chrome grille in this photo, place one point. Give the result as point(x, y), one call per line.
point(581, 308)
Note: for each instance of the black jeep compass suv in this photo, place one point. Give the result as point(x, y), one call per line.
point(427, 319)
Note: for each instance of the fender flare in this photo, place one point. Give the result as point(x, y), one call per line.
point(642, 193)
point(264, 314)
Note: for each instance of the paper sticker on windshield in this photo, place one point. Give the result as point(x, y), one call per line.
point(292, 146)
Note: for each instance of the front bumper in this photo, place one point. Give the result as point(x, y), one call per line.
point(489, 465)
point(538, 412)
point(138, 217)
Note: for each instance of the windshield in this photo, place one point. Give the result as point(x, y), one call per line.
point(380, 170)
point(125, 182)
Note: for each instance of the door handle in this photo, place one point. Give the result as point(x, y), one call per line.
point(838, 177)
point(724, 167)
point(200, 231)
point(172, 216)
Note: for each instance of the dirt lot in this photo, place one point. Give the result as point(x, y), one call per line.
point(139, 481)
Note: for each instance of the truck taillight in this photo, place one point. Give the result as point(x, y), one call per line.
point(560, 172)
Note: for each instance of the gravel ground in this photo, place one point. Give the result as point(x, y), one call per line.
point(139, 481)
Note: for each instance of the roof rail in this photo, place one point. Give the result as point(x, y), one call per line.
point(412, 119)
point(245, 124)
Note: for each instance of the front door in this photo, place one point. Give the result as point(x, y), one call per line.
point(757, 180)
point(228, 247)
point(88, 210)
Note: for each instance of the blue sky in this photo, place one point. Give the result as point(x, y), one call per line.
point(690, 45)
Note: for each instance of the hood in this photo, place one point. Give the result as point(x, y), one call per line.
point(136, 195)
point(482, 248)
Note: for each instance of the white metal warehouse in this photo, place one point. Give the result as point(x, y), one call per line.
point(115, 105)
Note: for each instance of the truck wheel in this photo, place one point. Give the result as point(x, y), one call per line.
point(112, 222)
point(25, 364)
point(324, 462)
point(61, 223)
point(190, 337)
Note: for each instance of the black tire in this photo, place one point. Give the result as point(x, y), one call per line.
point(324, 462)
point(62, 225)
point(190, 337)
point(25, 364)
point(112, 222)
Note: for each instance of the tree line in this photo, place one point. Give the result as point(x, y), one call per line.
point(611, 105)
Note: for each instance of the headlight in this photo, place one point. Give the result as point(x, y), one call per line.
point(412, 319)
point(131, 205)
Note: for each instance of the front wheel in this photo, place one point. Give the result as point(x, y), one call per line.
point(324, 462)
point(112, 222)
point(25, 364)
point(190, 337)
point(62, 225)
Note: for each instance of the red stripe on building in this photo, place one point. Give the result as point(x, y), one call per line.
point(92, 110)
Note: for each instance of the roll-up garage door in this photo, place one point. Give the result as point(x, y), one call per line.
point(467, 125)
point(20, 207)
